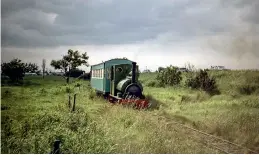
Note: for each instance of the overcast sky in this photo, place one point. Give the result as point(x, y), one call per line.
point(152, 32)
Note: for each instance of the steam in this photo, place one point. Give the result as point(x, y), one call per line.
point(241, 40)
point(236, 44)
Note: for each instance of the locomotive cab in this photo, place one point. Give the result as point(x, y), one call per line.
point(124, 81)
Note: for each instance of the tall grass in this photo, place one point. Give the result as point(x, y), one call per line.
point(36, 114)
point(233, 114)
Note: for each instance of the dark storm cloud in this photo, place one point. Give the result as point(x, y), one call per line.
point(31, 23)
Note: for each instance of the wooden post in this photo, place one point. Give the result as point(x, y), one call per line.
point(73, 109)
point(56, 147)
point(69, 101)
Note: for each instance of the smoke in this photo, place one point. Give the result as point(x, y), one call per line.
point(236, 44)
point(240, 41)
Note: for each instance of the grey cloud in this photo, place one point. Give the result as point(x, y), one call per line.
point(252, 14)
point(26, 23)
point(9, 7)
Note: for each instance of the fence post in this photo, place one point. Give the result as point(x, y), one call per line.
point(56, 149)
point(69, 101)
point(73, 109)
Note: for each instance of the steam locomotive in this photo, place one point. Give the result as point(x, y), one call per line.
point(117, 81)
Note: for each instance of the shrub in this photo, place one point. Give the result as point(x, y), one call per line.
point(160, 69)
point(203, 81)
point(247, 89)
point(169, 76)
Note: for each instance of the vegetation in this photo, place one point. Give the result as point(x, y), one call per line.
point(71, 61)
point(169, 76)
point(15, 69)
point(36, 114)
point(202, 81)
point(85, 76)
point(74, 73)
point(160, 69)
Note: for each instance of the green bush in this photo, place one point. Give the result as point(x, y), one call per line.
point(247, 89)
point(202, 81)
point(169, 76)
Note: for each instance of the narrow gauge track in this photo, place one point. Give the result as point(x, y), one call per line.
point(209, 140)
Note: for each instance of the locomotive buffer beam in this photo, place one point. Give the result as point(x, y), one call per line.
point(131, 100)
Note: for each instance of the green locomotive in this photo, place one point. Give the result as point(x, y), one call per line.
point(117, 80)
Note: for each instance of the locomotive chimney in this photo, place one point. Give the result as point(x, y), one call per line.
point(133, 78)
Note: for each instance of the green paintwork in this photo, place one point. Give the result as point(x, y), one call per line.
point(104, 84)
point(108, 65)
point(98, 83)
point(122, 85)
point(119, 73)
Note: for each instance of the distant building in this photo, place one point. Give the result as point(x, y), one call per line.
point(146, 71)
point(182, 69)
point(160, 69)
point(28, 73)
point(218, 68)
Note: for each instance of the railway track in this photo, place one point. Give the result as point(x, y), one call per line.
point(208, 140)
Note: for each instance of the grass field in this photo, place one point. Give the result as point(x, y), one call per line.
point(33, 116)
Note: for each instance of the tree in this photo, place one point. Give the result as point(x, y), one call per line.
point(15, 69)
point(72, 60)
point(31, 67)
point(43, 67)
